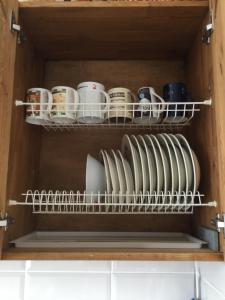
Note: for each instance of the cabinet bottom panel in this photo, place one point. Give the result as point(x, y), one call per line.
point(113, 254)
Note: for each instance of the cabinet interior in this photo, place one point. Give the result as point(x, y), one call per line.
point(130, 47)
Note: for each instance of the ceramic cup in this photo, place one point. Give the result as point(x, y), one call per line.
point(119, 108)
point(64, 106)
point(93, 102)
point(38, 112)
point(175, 92)
point(149, 114)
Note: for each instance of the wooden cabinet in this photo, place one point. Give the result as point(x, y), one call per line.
point(118, 43)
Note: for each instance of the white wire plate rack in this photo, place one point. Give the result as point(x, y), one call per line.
point(64, 202)
point(116, 115)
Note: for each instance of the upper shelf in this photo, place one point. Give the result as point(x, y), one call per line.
point(112, 29)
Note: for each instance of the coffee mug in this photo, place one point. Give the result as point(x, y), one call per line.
point(38, 112)
point(120, 108)
point(93, 102)
point(175, 92)
point(149, 114)
point(65, 104)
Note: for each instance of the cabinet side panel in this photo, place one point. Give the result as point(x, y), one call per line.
point(218, 57)
point(206, 127)
point(7, 61)
point(25, 141)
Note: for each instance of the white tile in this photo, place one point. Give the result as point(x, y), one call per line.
point(12, 265)
point(71, 266)
point(209, 293)
point(214, 273)
point(152, 267)
point(152, 286)
point(69, 286)
point(11, 286)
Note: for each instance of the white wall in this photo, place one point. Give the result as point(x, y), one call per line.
point(118, 280)
point(213, 280)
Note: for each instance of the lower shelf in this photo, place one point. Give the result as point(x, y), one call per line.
point(64, 202)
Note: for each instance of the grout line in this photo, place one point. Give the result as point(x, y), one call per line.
point(152, 272)
point(26, 280)
point(213, 288)
point(111, 279)
point(98, 272)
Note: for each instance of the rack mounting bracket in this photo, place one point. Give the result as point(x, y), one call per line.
point(6, 221)
point(219, 222)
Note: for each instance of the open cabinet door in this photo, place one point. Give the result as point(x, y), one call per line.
point(8, 42)
point(218, 52)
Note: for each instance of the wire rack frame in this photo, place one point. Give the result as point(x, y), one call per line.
point(64, 202)
point(116, 115)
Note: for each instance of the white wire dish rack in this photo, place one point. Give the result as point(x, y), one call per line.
point(117, 115)
point(69, 202)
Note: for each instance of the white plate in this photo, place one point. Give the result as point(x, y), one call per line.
point(158, 163)
point(178, 166)
point(113, 174)
point(144, 164)
point(151, 164)
point(128, 177)
point(181, 163)
point(107, 173)
point(130, 152)
point(197, 170)
point(166, 170)
point(194, 165)
point(172, 163)
point(121, 174)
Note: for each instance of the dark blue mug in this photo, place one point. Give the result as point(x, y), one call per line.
point(175, 92)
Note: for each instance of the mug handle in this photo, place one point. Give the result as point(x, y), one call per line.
point(135, 101)
point(107, 98)
point(76, 99)
point(161, 99)
point(50, 101)
point(133, 96)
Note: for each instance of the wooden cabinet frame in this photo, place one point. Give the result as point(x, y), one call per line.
point(215, 54)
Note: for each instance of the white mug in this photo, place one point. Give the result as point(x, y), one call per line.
point(38, 112)
point(64, 104)
point(120, 104)
point(93, 102)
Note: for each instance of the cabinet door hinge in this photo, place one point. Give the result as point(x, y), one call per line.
point(16, 28)
point(219, 222)
point(209, 28)
point(6, 221)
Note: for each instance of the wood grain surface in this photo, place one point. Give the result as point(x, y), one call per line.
point(218, 62)
point(7, 60)
point(113, 30)
point(113, 254)
point(163, 39)
point(25, 141)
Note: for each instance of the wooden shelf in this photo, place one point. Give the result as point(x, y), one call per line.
point(113, 254)
point(112, 29)
point(108, 3)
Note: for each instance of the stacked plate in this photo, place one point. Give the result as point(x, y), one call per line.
point(162, 164)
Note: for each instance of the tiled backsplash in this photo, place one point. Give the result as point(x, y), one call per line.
point(104, 280)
